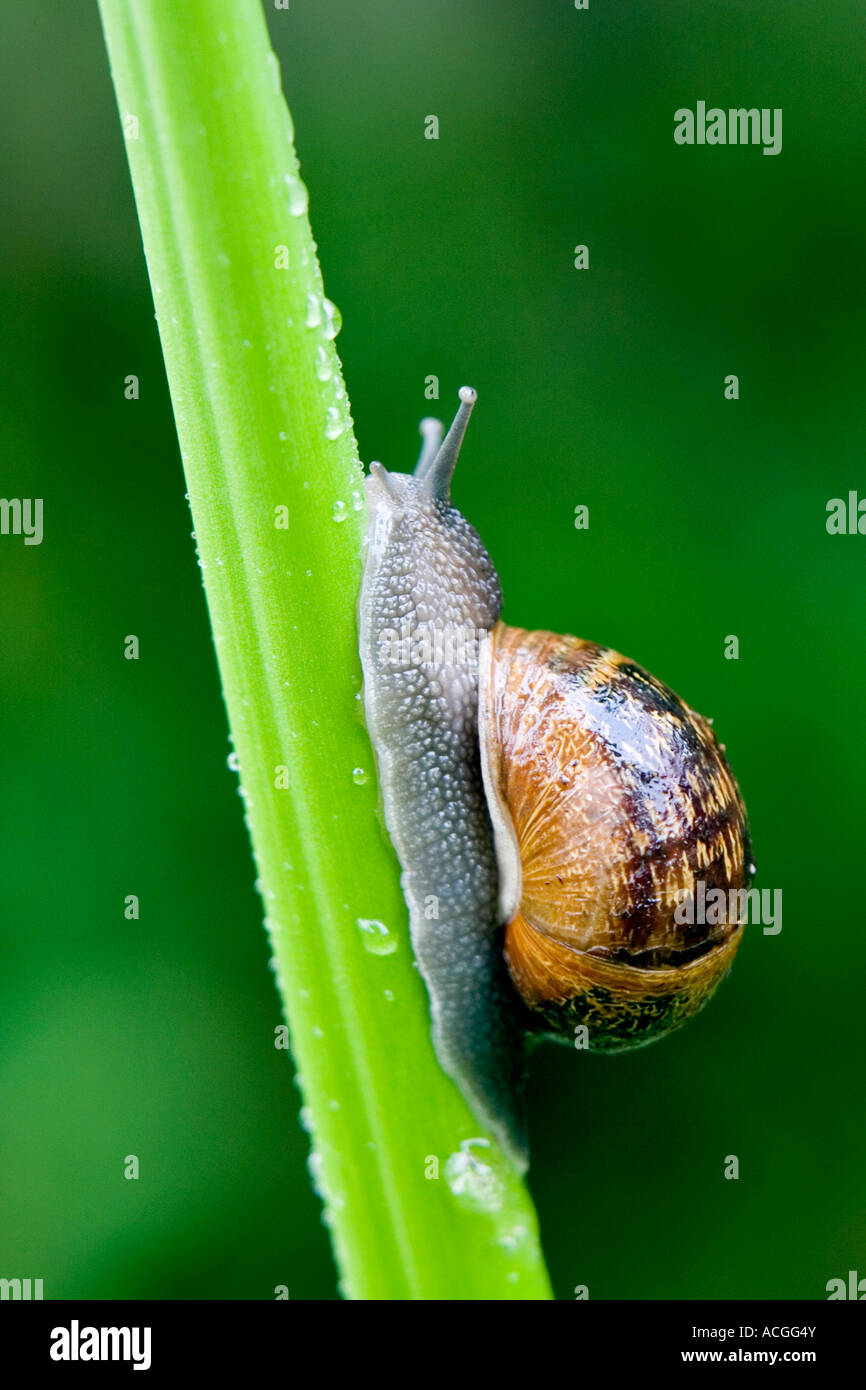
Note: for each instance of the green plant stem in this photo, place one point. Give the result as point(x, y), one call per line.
point(263, 423)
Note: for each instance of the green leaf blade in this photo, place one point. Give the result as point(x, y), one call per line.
point(257, 389)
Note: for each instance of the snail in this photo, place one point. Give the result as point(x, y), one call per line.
point(550, 802)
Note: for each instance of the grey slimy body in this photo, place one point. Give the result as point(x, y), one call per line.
point(427, 572)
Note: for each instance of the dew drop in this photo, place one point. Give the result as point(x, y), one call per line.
point(233, 762)
point(333, 423)
point(298, 195)
point(314, 311)
point(315, 1168)
point(305, 1115)
point(333, 319)
point(359, 776)
point(339, 511)
point(376, 937)
point(513, 1238)
point(324, 370)
point(357, 500)
point(472, 1181)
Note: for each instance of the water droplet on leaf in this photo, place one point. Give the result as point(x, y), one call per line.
point(333, 423)
point(376, 937)
point(474, 1182)
point(298, 195)
point(333, 319)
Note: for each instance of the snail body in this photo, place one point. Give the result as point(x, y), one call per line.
point(534, 783)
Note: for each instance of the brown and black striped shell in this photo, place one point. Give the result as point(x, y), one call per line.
point(610, 800)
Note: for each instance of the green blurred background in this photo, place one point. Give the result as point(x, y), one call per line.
point(603, 387)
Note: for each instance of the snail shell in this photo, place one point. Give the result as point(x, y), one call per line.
point(545, 785)
point(610, 801)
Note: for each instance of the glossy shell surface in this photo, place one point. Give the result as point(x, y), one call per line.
point(612, 802)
